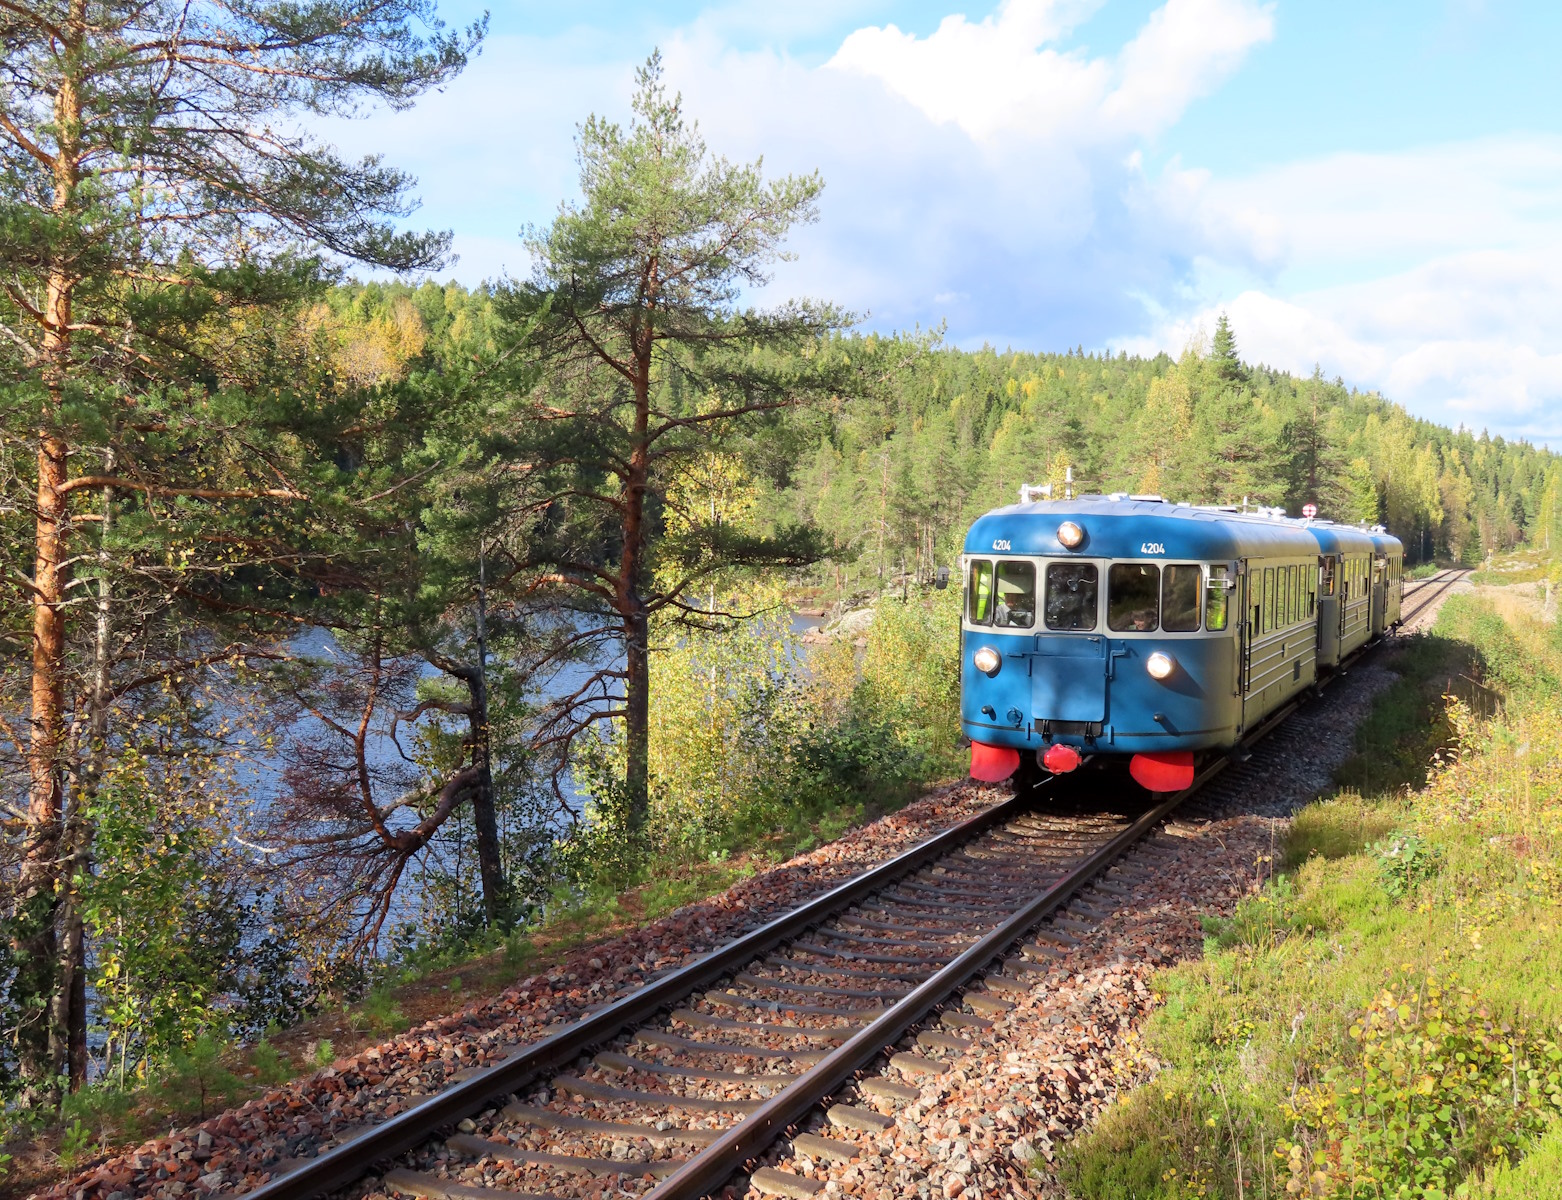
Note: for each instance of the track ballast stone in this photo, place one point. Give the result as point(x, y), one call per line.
point(238, 1150)
point(989, 1124)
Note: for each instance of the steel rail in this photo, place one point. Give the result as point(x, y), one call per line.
point(1454, 576)
point(728, 1154)
point(347, 1162)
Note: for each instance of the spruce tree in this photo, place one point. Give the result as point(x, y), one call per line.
point(1223, 353)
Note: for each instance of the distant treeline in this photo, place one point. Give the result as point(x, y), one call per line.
point(934, 436)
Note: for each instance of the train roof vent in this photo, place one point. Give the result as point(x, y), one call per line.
point(1118, 496)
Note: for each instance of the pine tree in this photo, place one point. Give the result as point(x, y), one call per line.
point(149, 192)
point(633, 311)
point(1223, 353)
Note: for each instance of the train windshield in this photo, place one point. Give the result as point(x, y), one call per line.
point(980, 596)
point(1072, 588)
point(1133, 597)
point(1180, 598)
point(1016, 599)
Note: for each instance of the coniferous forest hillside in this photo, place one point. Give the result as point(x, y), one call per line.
point(356, 627)
point(925, 437)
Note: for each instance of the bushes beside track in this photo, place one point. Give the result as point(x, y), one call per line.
point(1384, 1019)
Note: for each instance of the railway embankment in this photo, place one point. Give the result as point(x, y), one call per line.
point(991, 1117)
point(1383, 1017)
point(233, 1151)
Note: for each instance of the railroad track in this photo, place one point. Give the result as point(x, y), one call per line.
point(674, 1089)
point(1427, 591)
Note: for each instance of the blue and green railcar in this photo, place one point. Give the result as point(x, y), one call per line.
point(1129, 626)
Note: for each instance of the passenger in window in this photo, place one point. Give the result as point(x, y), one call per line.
point(1134, 597)
point(1016, 606)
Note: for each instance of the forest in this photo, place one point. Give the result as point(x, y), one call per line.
point(347, 622)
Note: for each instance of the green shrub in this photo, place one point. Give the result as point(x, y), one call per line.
point(78, 1143)
point(1405, 861)
point(196, 1079)
point(271, 1065)
point(1434, 1086)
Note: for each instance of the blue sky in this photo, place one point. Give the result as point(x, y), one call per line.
point(1375, 188)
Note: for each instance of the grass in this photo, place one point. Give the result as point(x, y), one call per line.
point(1432, 878)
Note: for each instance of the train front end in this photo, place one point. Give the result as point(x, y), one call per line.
point(1098, 627)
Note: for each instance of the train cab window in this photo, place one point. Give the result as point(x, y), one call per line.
point(979, 597)
point(1133, 597)
point(1072, 589)
point(1014, 606)
point(1180, 587)
point(1219, 599)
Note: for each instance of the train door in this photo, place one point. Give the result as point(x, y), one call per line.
point(1379, 595)
point(1249, 604)
point(1327, 610)
point(1347, 579)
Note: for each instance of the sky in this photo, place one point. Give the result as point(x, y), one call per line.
point(1372, 188)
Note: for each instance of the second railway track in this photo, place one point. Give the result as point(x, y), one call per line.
point(1426, 592)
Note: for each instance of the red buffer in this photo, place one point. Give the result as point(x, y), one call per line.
point(1168, 771)
point(993, 764)
point(1060, 759)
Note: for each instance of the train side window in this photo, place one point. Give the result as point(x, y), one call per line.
point(1015, 603)
point(1072, 589)
point(1268, 618)
point(1296, 593)
point(1133, 597)
point(1219, 599)
point(1180, 598)
point(1326, 576)
point(1287, 595)
point(979, 597)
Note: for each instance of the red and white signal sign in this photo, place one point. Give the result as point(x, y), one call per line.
point(1309, 510)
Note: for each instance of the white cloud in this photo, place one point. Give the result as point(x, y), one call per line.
point(1433, 275)
point(990, 173)
point(1001, 77)
point(1186, 50)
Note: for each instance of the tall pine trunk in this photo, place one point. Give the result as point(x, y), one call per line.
point(42, 1049)
point(631, 604)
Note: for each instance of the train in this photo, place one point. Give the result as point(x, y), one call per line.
point(1132, 627)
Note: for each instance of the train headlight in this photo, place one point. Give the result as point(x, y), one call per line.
point(1159, 665)
point(987, 660)
point(1071, 535)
